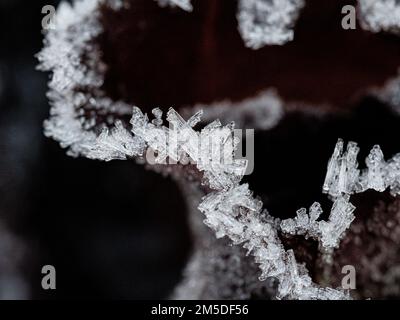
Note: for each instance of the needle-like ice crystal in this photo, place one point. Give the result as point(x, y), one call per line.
point(328, 233)
point(344, 177)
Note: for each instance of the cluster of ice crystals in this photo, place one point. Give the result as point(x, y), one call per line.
point(380, 15)
point(116, 143)
point(344, 177)
point(304, 224)
point(183, 4)
point(342, 173)
point(73, 116)
point(392, 174)
point(339, 221)
point(328, 232)
point(212, 149)
point(297, 284)
point(374, 178)
point(267, 22)
point(237, 215)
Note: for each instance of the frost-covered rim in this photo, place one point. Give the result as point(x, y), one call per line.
point(230, 209)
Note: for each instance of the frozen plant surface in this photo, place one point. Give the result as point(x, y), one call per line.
point(180, 140)
point(328, 232)
point(88, 123)
point(267, 22)
point(74, 112)
point(237, 215)
point(380, 15)
point(344, 177)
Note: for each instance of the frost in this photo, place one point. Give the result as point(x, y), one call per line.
point(212, 149)
point(380, 15)
point(222, 271)
point(73, 116)
point(267, 22)
point(392, 175)
point(374, 177)
point(237, 215)
point(342, 173)
point(303, 223)
point(339, 221)
point(117, 144)
point(344, 177)
point(328, 232)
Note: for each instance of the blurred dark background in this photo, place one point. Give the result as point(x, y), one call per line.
point(111, 230)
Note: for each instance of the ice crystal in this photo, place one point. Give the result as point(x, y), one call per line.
point(344, 177)
point(342, 172)
point(327, 232)
point(237, 215)
point(339, 221)
point(267, 22)
point(71, 122)
point(212, 149)
point(304, 224)
point(392, 174)
point(183, 4)
point(374, 176)
point(380, 15)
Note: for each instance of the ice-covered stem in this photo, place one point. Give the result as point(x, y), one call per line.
point(328, 233)
point(344, 177)
point(237, 215)
point(342, 172)
point(212, 149)
point(75, 96)
point(380, 15)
